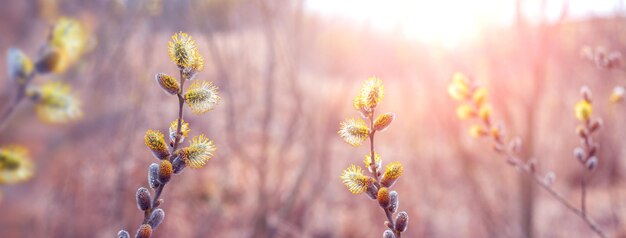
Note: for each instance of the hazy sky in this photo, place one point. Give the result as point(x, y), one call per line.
point(450, 21)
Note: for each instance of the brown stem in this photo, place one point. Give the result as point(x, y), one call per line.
point(7, 113)
point(21, 92)
point(583, 181)
point(374, 169)
point(518, 163)
point(583, 195)
point(555, 194)
point(590, 222)
point(181, 102)
point(372, 158)
point(159, 190)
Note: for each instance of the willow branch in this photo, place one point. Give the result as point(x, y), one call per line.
point(159, 189)
point(374, 169)
point(21, 92)
point(530, 171)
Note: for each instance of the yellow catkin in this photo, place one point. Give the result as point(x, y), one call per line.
point(55, 103)
point(202, 97)
point(156, 142)
point(459, 89)
point(583, 110)
point(465, 111)
point(372, 92)
point(383, 197)
point(199, 151)
point(70, 37)
point(168, 83)
point(165, 171)
point(495, 132)
point(477, 131)
point(182, 50)
point(184, 129)
point(383, 121)
point(198, 62)
point(480, 96)
point(15, 164)
point(354, 179)
point(617, 94)
point(484, 113)
point(393, 171)
point(354, 131)
point(358, 103)
point(368, 160)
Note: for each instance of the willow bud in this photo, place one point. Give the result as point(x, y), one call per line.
point(579, 153)
point(19, 65)
point(388, 234)
point(123, 234)
point(372, 191)
point(614, 59)
point(393, 202)
point(178, 165)
point(515, 145)
point(402, 221)
point(549, 178)
point(592, 163)
point(156, 217)
point(153, 175)
point(143, 199)
point(585, 92)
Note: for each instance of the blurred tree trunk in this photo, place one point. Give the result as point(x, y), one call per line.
point(493, 226)
point(537, 61)
point(526, 192)
point(261, 223)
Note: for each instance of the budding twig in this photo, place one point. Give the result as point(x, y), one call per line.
point(355, 132)
point(21, 92)
point(376, 174)
point(474, 99)
point(201, 97)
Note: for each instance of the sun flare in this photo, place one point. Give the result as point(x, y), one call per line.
point(446, 22)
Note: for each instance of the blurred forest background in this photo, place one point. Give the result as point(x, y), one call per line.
point(287, 73)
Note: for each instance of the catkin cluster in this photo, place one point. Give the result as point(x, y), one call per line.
point(604, 59)
point(53, 100)
point(201, 97)
point(586, 154)
point(473, 103)
point(378, 186)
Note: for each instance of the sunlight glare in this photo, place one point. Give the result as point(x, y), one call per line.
point(447, 22)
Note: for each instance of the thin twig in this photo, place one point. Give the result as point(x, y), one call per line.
point(21, 92)
point(583, 195)
point(374, 169)
point(530, 170)
point(171, 158)
point(558, 196)
point(181, 102)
